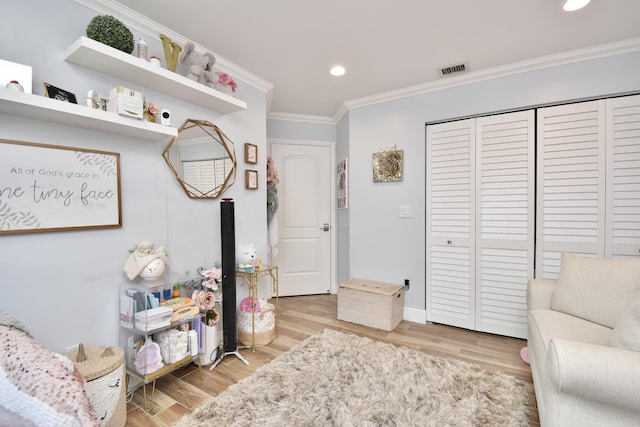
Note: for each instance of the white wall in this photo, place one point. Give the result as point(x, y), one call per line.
point(342, 215)
point(303, 128)
point(388, 248)
point(64, 285)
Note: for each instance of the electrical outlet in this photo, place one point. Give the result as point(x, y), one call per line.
point(407, 286)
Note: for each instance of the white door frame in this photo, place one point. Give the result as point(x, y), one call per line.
point(332, 231)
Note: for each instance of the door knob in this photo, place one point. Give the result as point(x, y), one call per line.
point(325, 227)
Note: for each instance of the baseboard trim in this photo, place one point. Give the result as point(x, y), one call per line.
point(414, 315)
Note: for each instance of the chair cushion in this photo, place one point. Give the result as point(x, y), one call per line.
point(598, 290)
point(626, 334)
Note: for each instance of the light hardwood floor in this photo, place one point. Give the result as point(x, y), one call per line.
point(183, 390)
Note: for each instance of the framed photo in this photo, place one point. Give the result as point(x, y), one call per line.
point(55, 188)
point(250, 153)
point(343, 185)
point(387, 166)
point(59, 94)
point(250, 179)
point(97, 101)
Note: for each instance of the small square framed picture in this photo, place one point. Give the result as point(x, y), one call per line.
point(59, 94)
point(250, 153)
point(250, 179)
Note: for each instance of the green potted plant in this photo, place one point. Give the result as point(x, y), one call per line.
point(110, 31)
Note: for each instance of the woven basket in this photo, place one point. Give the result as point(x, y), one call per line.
point(264, 326)
point(103, 371)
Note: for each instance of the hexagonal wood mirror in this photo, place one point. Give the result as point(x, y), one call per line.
point(202, 158)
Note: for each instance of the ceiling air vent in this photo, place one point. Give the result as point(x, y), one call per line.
point(453, 69)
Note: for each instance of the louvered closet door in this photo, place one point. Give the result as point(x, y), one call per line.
point(570, 184)
point(623, 177)
point(450, 233)
point(505, 202)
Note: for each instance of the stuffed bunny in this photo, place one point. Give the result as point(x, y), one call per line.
point(200, 65)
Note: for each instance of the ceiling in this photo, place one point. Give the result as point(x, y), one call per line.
point(384, 45)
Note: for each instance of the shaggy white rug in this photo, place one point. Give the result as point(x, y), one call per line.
point(337, 379)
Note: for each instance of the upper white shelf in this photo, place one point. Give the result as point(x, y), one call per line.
point(51, 110)
point(100, 57)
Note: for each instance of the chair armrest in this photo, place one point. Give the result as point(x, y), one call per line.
point(539, 293)
point(595, 372)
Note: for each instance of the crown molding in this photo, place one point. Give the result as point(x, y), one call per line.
point(306, 118)
point(569, 57)
point(140, 23)
point(340, 112)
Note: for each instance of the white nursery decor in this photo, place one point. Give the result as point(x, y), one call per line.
point(146, 261)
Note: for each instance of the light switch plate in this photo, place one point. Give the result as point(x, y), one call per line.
point(405, 211)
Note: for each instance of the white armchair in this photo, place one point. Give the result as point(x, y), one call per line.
point(581, 375)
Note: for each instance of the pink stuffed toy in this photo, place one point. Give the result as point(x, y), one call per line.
point(249, 304)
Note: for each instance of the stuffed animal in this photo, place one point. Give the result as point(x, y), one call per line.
point(247, 257)
point(199, 65)
point(147, 261)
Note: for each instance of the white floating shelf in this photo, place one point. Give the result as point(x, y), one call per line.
point(51, 110)
point(100, 57)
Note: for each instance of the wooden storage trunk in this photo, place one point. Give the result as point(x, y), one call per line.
point(375, 304)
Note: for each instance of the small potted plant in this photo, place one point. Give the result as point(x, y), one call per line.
point(212, 317)
point(149, 112)
point(110, 31)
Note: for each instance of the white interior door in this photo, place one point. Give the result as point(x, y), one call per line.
point(505, 163)
point(304, 218)
point(480, 198)
point(571, 184)
point(450, 262)
point(623, 177)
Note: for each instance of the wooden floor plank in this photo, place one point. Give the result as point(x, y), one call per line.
point(299, 317)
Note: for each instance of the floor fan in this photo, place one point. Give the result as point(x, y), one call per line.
point(229, 320)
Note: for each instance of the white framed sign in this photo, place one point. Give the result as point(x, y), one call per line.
point(343, 185)
point(52, 188)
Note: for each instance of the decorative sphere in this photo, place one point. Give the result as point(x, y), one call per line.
point(112, 32)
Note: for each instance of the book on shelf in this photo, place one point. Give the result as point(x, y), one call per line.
point(127, 311)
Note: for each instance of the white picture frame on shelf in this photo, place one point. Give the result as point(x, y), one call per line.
point(10, 71)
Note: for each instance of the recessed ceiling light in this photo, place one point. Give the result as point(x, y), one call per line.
point(338, 70)
point(571, 5)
